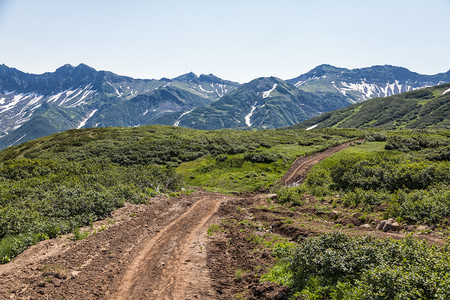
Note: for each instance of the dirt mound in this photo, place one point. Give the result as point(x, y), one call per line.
point(268, 291)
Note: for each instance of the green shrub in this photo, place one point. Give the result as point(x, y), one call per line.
point(292, 195)
point(429, 206)
point(338, 266)
point(47, 198)
point(367, 198)
point(375, 137)
point(11, 246)
point(391, 173)
point(261, 157)
point(213, 229)
point(318, 182)
point(79, 235)
point(414, 143)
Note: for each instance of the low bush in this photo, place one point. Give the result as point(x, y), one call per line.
point(421, 206)
point(337, 266)
point(261, 157)
point(366, 198)
point(375, 137)
point(413, 143)
point(290, 195)
point(414, 185)
point(43, 198)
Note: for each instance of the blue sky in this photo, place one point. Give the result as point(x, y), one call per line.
point(236, 40)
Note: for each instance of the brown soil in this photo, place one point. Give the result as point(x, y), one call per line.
point(146, 252)
point(237, 256)
point(162, 250)
point(241, 253)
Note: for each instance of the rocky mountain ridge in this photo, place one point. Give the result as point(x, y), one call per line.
point(34, 105)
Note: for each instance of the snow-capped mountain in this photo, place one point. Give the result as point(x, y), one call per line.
point(267, 102)
point(77, 97)
point(362, 84)
point(419, 109)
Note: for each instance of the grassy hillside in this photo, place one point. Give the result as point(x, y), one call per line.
point(55, 184)
point(424, 108)
point(400, 175)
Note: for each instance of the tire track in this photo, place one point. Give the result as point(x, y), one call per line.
point(158, 271)
point(299, 170)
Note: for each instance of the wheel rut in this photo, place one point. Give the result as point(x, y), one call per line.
point(300, 168)
point(161, 269)
point(155, 251)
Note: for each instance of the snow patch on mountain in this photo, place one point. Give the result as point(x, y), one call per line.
point(446, 91)
point(221, 90)
point(56, 97)
point(119, 94)
point(312, 127)
point(65, 97)
point(306, 81)
point(81, 101)
point(267, 93)
point(74, 95)
point(33, 101)
point(249, 115)
point(15, 100)
point(18, 140)
point(182, 115)
point(371, 90)
point(83, 122)
point(203, 90)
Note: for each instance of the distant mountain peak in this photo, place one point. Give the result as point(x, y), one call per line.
point(70, 68)
point(66, 66)
point(209, 78)
point(186, 77)
point(84, 66)
point(264, 82)
point(326, 67)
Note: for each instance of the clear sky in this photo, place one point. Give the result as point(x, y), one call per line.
point(233, 39)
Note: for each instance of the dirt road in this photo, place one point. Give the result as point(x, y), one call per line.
point(146, 252)
point(300, 168)
point(162, 268)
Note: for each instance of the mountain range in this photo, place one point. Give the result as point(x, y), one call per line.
point(418, 109)
point(35, 105)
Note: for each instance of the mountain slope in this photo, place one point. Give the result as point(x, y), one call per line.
point(362, 84)
point(76, 97)
point(262, 103)
point(143, 109)
point(424, 108)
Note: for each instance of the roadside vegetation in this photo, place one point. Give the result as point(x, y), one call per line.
point(57, 184)
point(408, 174)
point(400, 175)
point(41, 199)
point(337, 266)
